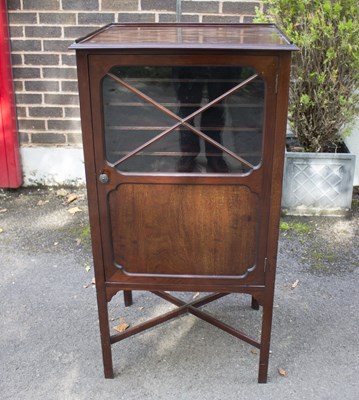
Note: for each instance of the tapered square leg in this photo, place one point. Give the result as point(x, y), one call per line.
point(263, 373)
point(265, 342)
point(105, 334)
point(127, 295)
point(254, 304)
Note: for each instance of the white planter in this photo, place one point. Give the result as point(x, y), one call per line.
point(318, 183)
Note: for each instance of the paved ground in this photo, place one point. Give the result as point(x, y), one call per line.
point(49, 343)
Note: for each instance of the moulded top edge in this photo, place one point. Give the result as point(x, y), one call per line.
point(186, 36)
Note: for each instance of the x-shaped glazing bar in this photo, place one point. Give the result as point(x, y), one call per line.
point(182, 121)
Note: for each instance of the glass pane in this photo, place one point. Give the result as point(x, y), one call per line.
point(194, 107)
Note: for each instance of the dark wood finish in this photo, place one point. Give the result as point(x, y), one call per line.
point(164, 230)
point(254, 304)
point(127, 295)
point(152, 36)
point(212, 237)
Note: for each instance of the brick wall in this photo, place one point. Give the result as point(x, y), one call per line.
point(44, 70)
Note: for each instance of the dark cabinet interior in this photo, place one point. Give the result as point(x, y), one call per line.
point(184, 132)
point(141, 102)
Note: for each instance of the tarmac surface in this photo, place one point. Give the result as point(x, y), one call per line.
point(49, 336)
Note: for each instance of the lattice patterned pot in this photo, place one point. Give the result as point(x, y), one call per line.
point(318, 183)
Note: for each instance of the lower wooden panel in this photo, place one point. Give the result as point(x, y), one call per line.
point(184, 229)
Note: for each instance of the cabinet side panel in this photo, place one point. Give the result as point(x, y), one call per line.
point(184, 229)
point(90, 166)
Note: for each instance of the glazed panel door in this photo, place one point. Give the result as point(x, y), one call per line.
point(183, 155)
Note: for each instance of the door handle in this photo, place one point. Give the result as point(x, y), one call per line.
point(103, 178)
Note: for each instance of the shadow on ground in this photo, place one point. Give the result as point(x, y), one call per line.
point(49, 342)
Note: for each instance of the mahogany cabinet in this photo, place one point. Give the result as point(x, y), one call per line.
point(183, 134)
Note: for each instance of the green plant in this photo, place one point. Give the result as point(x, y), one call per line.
point(298, 228)
point(324, 98)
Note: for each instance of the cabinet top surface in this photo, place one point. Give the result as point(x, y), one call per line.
point(186, 36)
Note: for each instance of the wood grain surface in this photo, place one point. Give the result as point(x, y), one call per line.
point(184, 229)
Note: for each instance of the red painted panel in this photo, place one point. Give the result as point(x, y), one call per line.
point(10, 169)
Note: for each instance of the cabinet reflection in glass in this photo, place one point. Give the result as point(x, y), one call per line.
point(184, 119)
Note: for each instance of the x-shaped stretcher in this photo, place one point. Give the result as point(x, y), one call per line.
point(183, 308)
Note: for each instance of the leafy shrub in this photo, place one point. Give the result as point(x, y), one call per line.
point(324, 98)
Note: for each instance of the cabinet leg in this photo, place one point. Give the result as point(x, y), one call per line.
point(265, 343)
point(255, 304)
point(108, 369)
point(105, 334)
point(127, 295)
